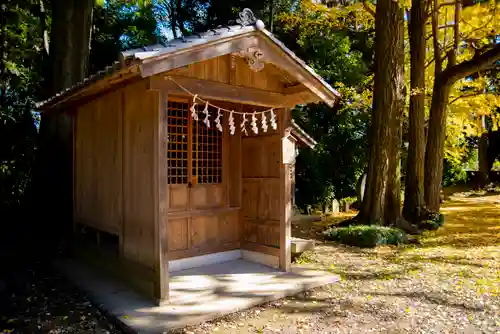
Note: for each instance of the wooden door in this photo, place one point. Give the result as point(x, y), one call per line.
point(194, 160)
point(199, 221)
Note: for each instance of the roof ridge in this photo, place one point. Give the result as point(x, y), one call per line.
point(246, 18)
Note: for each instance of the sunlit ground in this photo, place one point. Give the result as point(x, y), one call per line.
point(448, 284)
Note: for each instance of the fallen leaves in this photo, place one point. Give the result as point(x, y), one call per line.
point(450, 284)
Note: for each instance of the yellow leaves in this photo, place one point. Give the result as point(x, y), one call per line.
point(313, 17)
point(480, 20)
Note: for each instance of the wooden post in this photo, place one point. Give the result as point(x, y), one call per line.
point(161, 201)
point(287, 161)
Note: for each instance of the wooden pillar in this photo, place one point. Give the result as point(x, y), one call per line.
point(287, 160)
point(161, 198)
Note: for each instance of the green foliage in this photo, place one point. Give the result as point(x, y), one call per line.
point(120, 26)
point(334, 166)
point(366, 235)
point(350, 200)
point(343, 57)
point(21, 57)
point(453, 173)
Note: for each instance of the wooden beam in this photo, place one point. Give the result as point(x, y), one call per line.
point(160, 199)
point(224, 92)
point(285, 199)
point(295, 89)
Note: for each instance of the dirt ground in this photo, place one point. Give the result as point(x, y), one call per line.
point(448, 284)
point(34, 298)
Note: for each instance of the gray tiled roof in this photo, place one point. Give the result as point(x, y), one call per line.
point(183, 43)
point(158, 50)
point(107, 71)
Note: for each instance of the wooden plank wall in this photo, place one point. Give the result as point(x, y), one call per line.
point(115, 140)
point(235, 72)
point(202, 233)
point(138, 175)
point(261, 192)
point(98, 164)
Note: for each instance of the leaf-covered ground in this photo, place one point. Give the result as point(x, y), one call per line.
point(449, 284)
point(36, 299)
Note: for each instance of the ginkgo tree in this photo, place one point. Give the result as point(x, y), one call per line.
point(452, 45)
point(437, 45)
point(465, 43)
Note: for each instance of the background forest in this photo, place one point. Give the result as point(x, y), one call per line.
point(336, 38)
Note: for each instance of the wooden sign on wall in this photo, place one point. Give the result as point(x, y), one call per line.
point(289, 152)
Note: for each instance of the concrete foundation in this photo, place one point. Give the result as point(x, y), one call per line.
point(196, 294)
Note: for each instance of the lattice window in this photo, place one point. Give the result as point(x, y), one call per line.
point(178, 145)
point(207, 149)
point(200, 162)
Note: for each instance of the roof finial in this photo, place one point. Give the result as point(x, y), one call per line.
point(246, 17)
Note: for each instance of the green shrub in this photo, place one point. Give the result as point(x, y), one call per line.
point(433, 222)
point(366, 235)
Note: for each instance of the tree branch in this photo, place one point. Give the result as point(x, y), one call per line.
point(437, 51)
point(476, 64)
point(431, 12)
point(367, 7)
point(452, 56)
point(464, 96)
point(451, 3)
point(446, 26)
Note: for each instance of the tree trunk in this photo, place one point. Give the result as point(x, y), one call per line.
point(382, 194)
point(484, 166)
point(69, 42)
point(69, 59)
point(414, 192)
point(434, 153)
point(3, 78)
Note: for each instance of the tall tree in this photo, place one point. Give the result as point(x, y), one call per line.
point(381, 203)
point(414, 191)
point(69, 51)
point(69, 42)
point(486, 51)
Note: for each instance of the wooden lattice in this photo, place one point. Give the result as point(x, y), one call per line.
point(206, 149)
point(200, 162)
point(178, 148)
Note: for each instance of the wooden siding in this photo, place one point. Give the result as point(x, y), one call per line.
point(138, 177)
point(261, 191)
point(235, 71)
point(115, 191)
point(98, 164)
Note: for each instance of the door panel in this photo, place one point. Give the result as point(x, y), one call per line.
point(207, 196)
point(179, 197)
